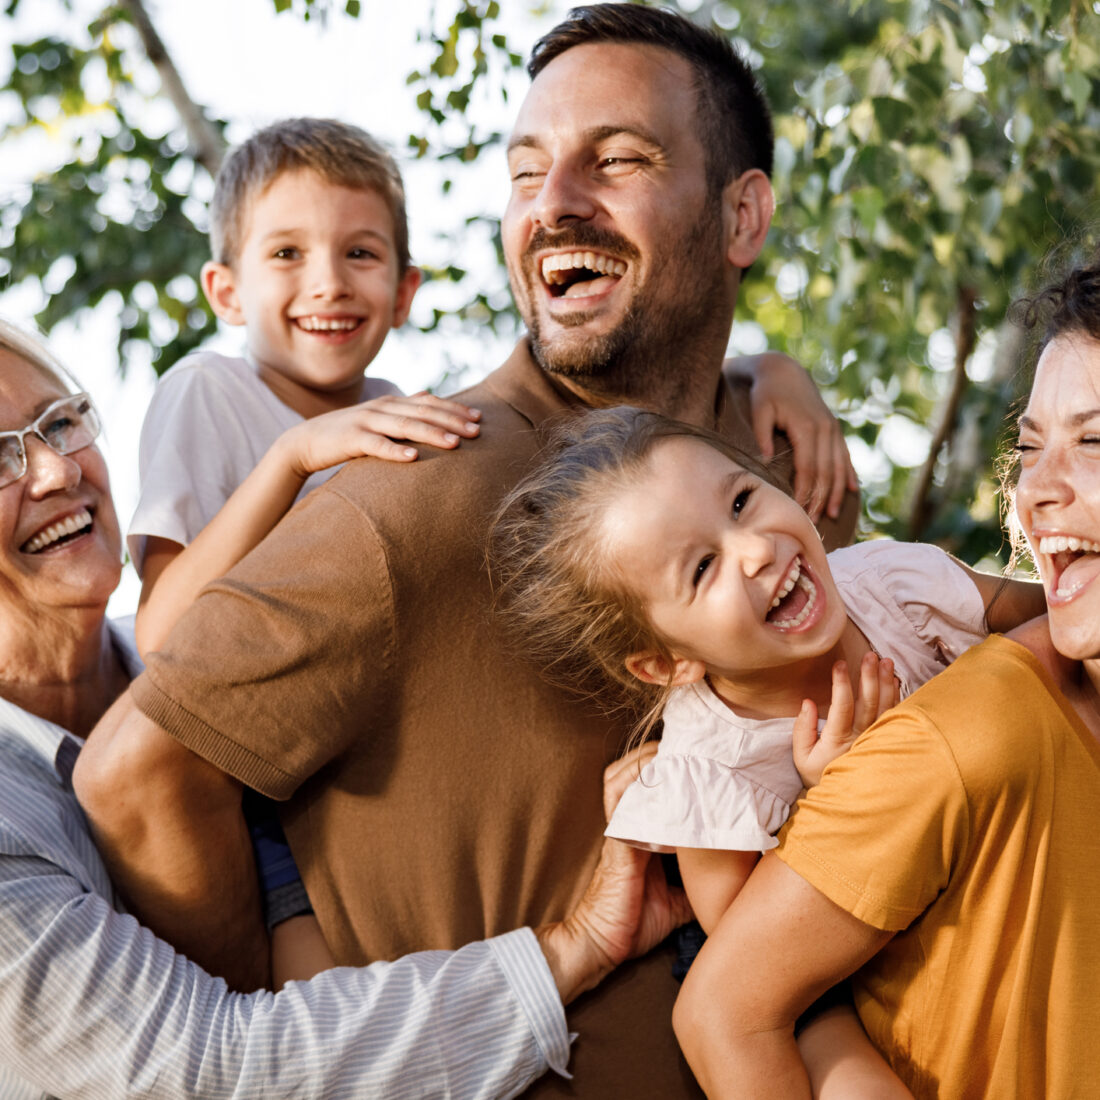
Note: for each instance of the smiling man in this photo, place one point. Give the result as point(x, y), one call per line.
point(437, 790)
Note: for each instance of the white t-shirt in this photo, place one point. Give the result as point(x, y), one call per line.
point(723, 781)
point(209, 423)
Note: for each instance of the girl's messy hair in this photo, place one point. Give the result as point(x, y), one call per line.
point(566, 606)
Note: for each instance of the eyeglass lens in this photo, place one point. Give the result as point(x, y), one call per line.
point(66, 426)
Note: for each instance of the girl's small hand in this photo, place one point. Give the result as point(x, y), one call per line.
point(375, 427)
point(878, 692)
point(620, 774)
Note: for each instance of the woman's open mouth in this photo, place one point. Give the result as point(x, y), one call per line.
point(59, 533)
point(1074, 563)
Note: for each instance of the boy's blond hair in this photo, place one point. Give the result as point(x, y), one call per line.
point(339, 153)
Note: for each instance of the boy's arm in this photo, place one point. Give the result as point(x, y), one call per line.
point(173, 575)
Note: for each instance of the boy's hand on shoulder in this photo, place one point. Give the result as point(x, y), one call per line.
point(382, 428)
point(848, 717)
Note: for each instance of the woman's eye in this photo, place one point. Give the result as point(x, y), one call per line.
point(740, 502)
point(700, 569)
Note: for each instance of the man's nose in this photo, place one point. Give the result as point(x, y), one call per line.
point(566, 195)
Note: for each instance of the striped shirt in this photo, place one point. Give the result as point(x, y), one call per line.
point(94, 1005)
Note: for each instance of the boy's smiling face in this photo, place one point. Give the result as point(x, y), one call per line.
point(316, 284)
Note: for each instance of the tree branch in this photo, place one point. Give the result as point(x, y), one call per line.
point(209, 147)
point(965, 337)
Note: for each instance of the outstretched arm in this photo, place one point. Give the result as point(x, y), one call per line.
point(787, 944)
point(173, 575)
point(784, 398)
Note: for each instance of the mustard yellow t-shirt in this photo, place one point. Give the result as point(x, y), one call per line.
point(967, 821)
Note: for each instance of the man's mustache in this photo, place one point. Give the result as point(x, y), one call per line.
point(582, 238)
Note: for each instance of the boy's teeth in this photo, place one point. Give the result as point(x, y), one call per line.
point(1059, 544)
point(785, 588)
point(55, 531)
point(327, 324)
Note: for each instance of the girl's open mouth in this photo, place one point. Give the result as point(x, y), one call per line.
point(795, 600)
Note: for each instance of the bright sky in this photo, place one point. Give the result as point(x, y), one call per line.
point(252, 66)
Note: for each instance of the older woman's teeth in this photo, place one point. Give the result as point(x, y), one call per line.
point(1059, 544)
point(55, 531)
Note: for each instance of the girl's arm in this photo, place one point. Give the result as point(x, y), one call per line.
point(173, 574)
point(1008, 601)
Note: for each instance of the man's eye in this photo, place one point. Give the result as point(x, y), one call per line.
point(740, 502)
point(700, 569)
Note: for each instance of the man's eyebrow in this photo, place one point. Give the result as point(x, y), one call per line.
point(593, 135)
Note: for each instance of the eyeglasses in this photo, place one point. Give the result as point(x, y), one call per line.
point(66, 426)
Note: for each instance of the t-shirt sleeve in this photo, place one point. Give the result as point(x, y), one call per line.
point(187, 469)
point(882, 832)
point(280, 664)
point(692, 801)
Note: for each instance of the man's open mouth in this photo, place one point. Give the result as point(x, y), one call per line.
point(580, 274)
point(1073, 560)
point(64, 530)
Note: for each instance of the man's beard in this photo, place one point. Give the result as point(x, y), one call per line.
point(662, 326)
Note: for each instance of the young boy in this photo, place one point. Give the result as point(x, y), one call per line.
point(310, 255)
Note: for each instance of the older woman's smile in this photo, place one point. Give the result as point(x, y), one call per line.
point(59, 532)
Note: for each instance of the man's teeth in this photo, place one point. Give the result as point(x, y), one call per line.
point(1059, 544)
point(59, 530)
point(555, 268)
point(328, 324)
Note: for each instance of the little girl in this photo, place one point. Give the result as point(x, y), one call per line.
point(653, 567)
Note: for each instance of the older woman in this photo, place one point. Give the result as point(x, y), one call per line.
point(94, 1005)
point(951, 858)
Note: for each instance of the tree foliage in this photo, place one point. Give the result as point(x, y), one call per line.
point(930, 152)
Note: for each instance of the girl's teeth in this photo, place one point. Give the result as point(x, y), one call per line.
point(810, 589)
point(789, 583)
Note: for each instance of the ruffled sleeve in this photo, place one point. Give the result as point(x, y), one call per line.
point(719, 780)
point(694, 802)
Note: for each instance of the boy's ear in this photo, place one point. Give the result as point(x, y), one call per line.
point(748, 205)
point(407, 287)
point(655, 668)
point(220, 287)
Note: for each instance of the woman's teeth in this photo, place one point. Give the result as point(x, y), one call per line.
point(49, 535)
point(1059, 544)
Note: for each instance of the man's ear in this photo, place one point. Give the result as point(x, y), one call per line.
point(220, 287)
point(655, 668)
point(748, 203)
point(407, 287)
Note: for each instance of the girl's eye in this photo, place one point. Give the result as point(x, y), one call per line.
point(700, 569)
point(741, 501)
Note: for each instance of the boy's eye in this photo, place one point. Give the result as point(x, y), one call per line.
point(700, 569)
point(362, 254)
point(287, 253)
point(740, 502)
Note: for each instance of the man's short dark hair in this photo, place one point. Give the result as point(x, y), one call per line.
point(734, 120)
